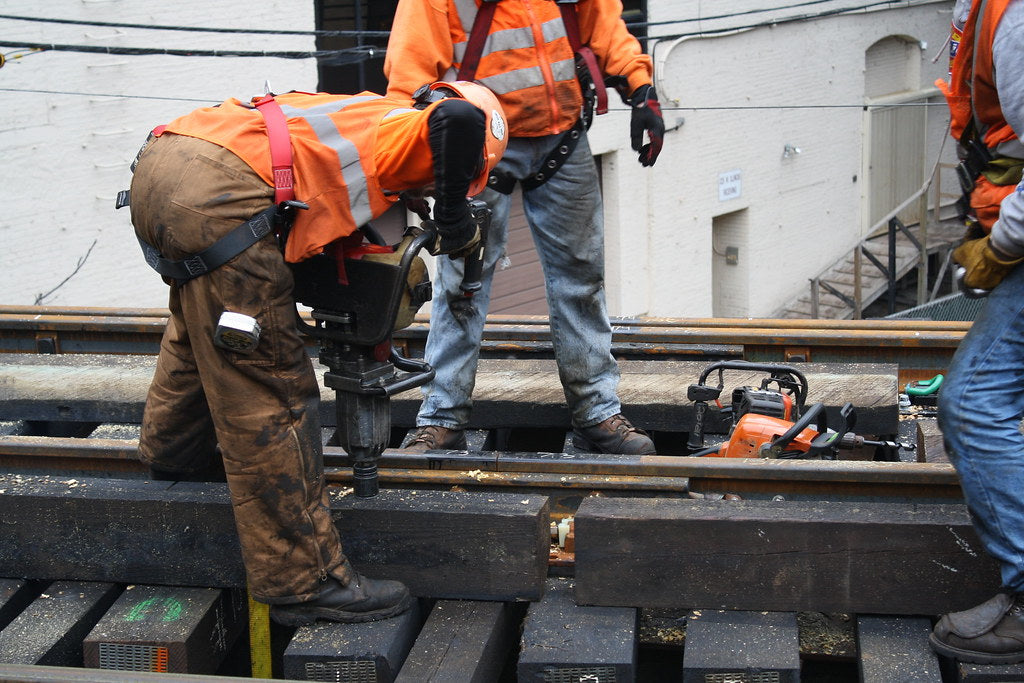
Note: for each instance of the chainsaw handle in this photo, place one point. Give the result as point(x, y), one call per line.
point(774, 369)
point(815, 412)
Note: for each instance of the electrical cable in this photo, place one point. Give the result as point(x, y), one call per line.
point(204, 29)
point(385, 34)
point(752, 107)
point(98, 94)
point(775, 8)
point(786, 20)
point(366, 52)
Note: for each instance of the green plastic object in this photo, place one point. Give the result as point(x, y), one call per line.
point(925, 387)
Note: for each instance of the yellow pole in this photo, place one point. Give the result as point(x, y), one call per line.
point(259, 639)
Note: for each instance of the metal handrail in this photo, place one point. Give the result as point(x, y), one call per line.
point(892, 223)
point(922, 282)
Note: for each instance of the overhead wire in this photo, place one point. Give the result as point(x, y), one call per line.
point(367, 51)
point(202, 29)
point(362, 33)
point(663, 108)
point(784, 20)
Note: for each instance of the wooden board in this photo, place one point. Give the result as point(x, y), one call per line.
point(167, 629)
point(15, 594)
point(508, 393)
point(352, 653)
point(881, 558)
point(463, 641)
point(50, 630)
point(930, 445)
point(563, 641)
point(741, 646)
point(896, 649)
point(441, 544)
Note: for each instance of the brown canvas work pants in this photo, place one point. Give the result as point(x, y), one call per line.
point(259, 408)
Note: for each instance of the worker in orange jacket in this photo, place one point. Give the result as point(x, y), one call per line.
point(529, 53)
point(981, 402)
point(992, 156)
point(211, 178)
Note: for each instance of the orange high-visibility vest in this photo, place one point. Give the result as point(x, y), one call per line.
point(971, 92)
point(334, 141)
point(974, 104)
point(526, 61)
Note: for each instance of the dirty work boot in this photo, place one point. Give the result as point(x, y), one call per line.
point(361, 600)
point(614, 435)
point(991, 633)
point(436, 438)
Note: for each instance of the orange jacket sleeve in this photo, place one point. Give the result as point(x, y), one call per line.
point(421, 40)
point(618, 51)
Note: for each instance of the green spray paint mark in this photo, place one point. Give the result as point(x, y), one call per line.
point(156, 609)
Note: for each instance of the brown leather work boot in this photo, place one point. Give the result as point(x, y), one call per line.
point(614, 435)
point(363, 599)
point(991, 633)
point(436, 438)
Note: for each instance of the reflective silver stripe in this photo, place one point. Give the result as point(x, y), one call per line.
point(553, 30)
point(528, 77)
point(348, 155)
point(467, 14)
point(396, 112)
point(508, 39)
point(564, 70)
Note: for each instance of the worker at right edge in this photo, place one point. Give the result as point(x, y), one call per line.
point(529, 53)
point(982, 400)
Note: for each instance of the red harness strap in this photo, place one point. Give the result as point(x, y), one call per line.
point(482, 26)
point(572, 30)
point(477, 37)
point(280, 147)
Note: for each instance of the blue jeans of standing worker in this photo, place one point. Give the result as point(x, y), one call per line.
point(980, 407)
point(567, 224)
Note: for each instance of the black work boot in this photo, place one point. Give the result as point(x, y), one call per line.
point(436, 438)
point(361, 600)
point(614, 435)
point(991, 633)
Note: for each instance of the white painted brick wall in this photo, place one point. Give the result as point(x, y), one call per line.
point(805, 211)
point(66, 155)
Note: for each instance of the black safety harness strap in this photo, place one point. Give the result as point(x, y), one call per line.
point(277, 218)
point(217, 254)
point(504, 182)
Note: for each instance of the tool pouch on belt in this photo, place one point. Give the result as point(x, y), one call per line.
point(977, 161)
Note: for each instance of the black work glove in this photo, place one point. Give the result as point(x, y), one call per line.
point(646, 118)
point(457, 234)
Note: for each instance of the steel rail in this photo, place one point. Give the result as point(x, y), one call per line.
point(920, 348)
point(560, 471)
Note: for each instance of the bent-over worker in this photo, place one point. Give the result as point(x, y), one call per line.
point(201, 177)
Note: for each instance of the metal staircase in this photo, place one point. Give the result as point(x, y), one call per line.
point(873, 268)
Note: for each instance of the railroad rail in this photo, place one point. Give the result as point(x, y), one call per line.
point(919, 348)
point(532, 561)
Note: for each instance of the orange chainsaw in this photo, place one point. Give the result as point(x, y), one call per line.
point(770, 421)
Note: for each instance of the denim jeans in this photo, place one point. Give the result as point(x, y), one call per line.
point(567, 224)
point(980, 408)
